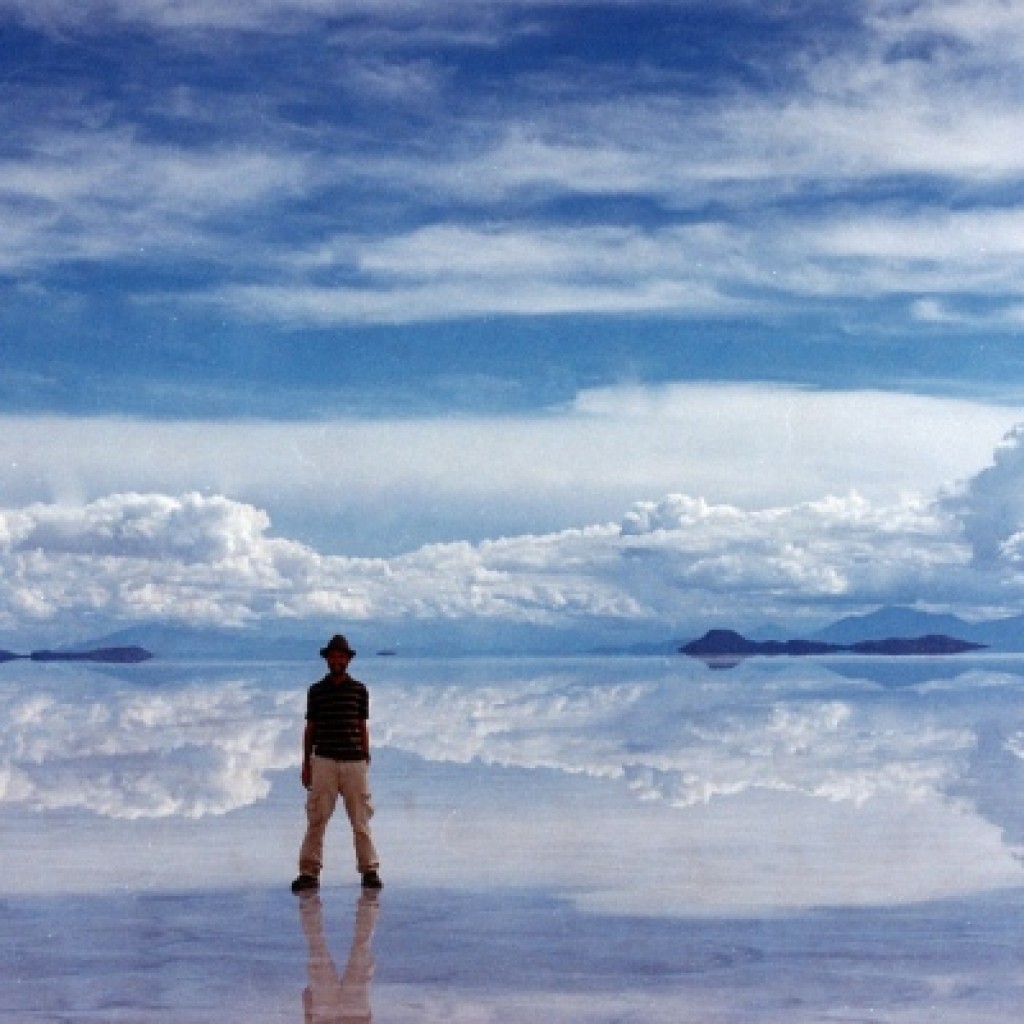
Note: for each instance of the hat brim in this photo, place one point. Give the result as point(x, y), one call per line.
point(324, 651)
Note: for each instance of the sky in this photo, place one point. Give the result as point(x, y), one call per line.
point(556, 314)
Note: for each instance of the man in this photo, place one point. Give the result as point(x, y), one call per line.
point(335, 762)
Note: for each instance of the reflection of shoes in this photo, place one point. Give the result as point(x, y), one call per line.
point(304, 883)
point(371, 880)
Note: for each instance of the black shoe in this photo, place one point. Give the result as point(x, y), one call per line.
point(371, 880)
point(305, 883)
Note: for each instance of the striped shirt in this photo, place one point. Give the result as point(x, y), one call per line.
point(336, 710)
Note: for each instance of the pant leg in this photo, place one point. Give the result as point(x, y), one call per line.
point(320, 803)
point(355, 791)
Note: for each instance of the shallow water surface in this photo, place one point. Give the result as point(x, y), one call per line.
point(589, 839)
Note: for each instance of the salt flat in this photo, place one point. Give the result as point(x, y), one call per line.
point(262, 955)
point(600, 840)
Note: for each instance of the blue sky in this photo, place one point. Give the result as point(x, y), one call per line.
point(399, 280)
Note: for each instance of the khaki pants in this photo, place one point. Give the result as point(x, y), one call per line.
point(331, 779)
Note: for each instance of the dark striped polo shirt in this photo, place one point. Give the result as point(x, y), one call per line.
point(336, 709)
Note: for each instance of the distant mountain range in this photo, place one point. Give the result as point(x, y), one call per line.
point(1004, 635)
point(895, 621)
point(291, 641)
point(297, 641)
point(728, 643)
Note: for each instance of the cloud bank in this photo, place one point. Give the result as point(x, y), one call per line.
point(212, 560)
point(369, 486)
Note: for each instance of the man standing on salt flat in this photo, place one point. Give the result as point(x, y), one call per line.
point(336, 762)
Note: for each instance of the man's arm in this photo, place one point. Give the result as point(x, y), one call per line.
point(307, 755)
point(364, 737)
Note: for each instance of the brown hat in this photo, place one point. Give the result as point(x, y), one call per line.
point(336, 643)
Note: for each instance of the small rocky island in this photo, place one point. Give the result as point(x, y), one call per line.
point(105, 655)
point(727, 643)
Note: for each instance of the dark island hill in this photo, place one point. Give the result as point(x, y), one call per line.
point(105, 655)
point(726, 643)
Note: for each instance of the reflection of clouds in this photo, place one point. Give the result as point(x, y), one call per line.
point(994, 781)
point(665, 735)
point(669, 743)
point(193, 751)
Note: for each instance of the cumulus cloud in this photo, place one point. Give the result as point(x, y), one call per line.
point(212, 560)
point(187, 559)
point(832, 548)
point(139, 557)
point(206, 558)
point(990, 506)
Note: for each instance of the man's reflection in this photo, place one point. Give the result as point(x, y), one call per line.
point(330, 997)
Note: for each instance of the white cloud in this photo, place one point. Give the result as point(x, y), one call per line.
point(378, 486)
point(264, 15)
point(996, 317)
point(780, 501)
point(212, 560)
point(455, 298)
point(983, 26)
point(829, 549)
point(188, 559)
point(873, 111)
point(747, 445)
point(101, 196)
point(448, 271)
point(179, 15)
point(991, 505)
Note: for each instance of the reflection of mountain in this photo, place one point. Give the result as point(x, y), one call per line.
point(726, 643)
point(906, 672)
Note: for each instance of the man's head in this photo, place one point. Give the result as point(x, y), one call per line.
point(338, 654)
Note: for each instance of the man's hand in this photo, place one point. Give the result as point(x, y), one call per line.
point(307, 774)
